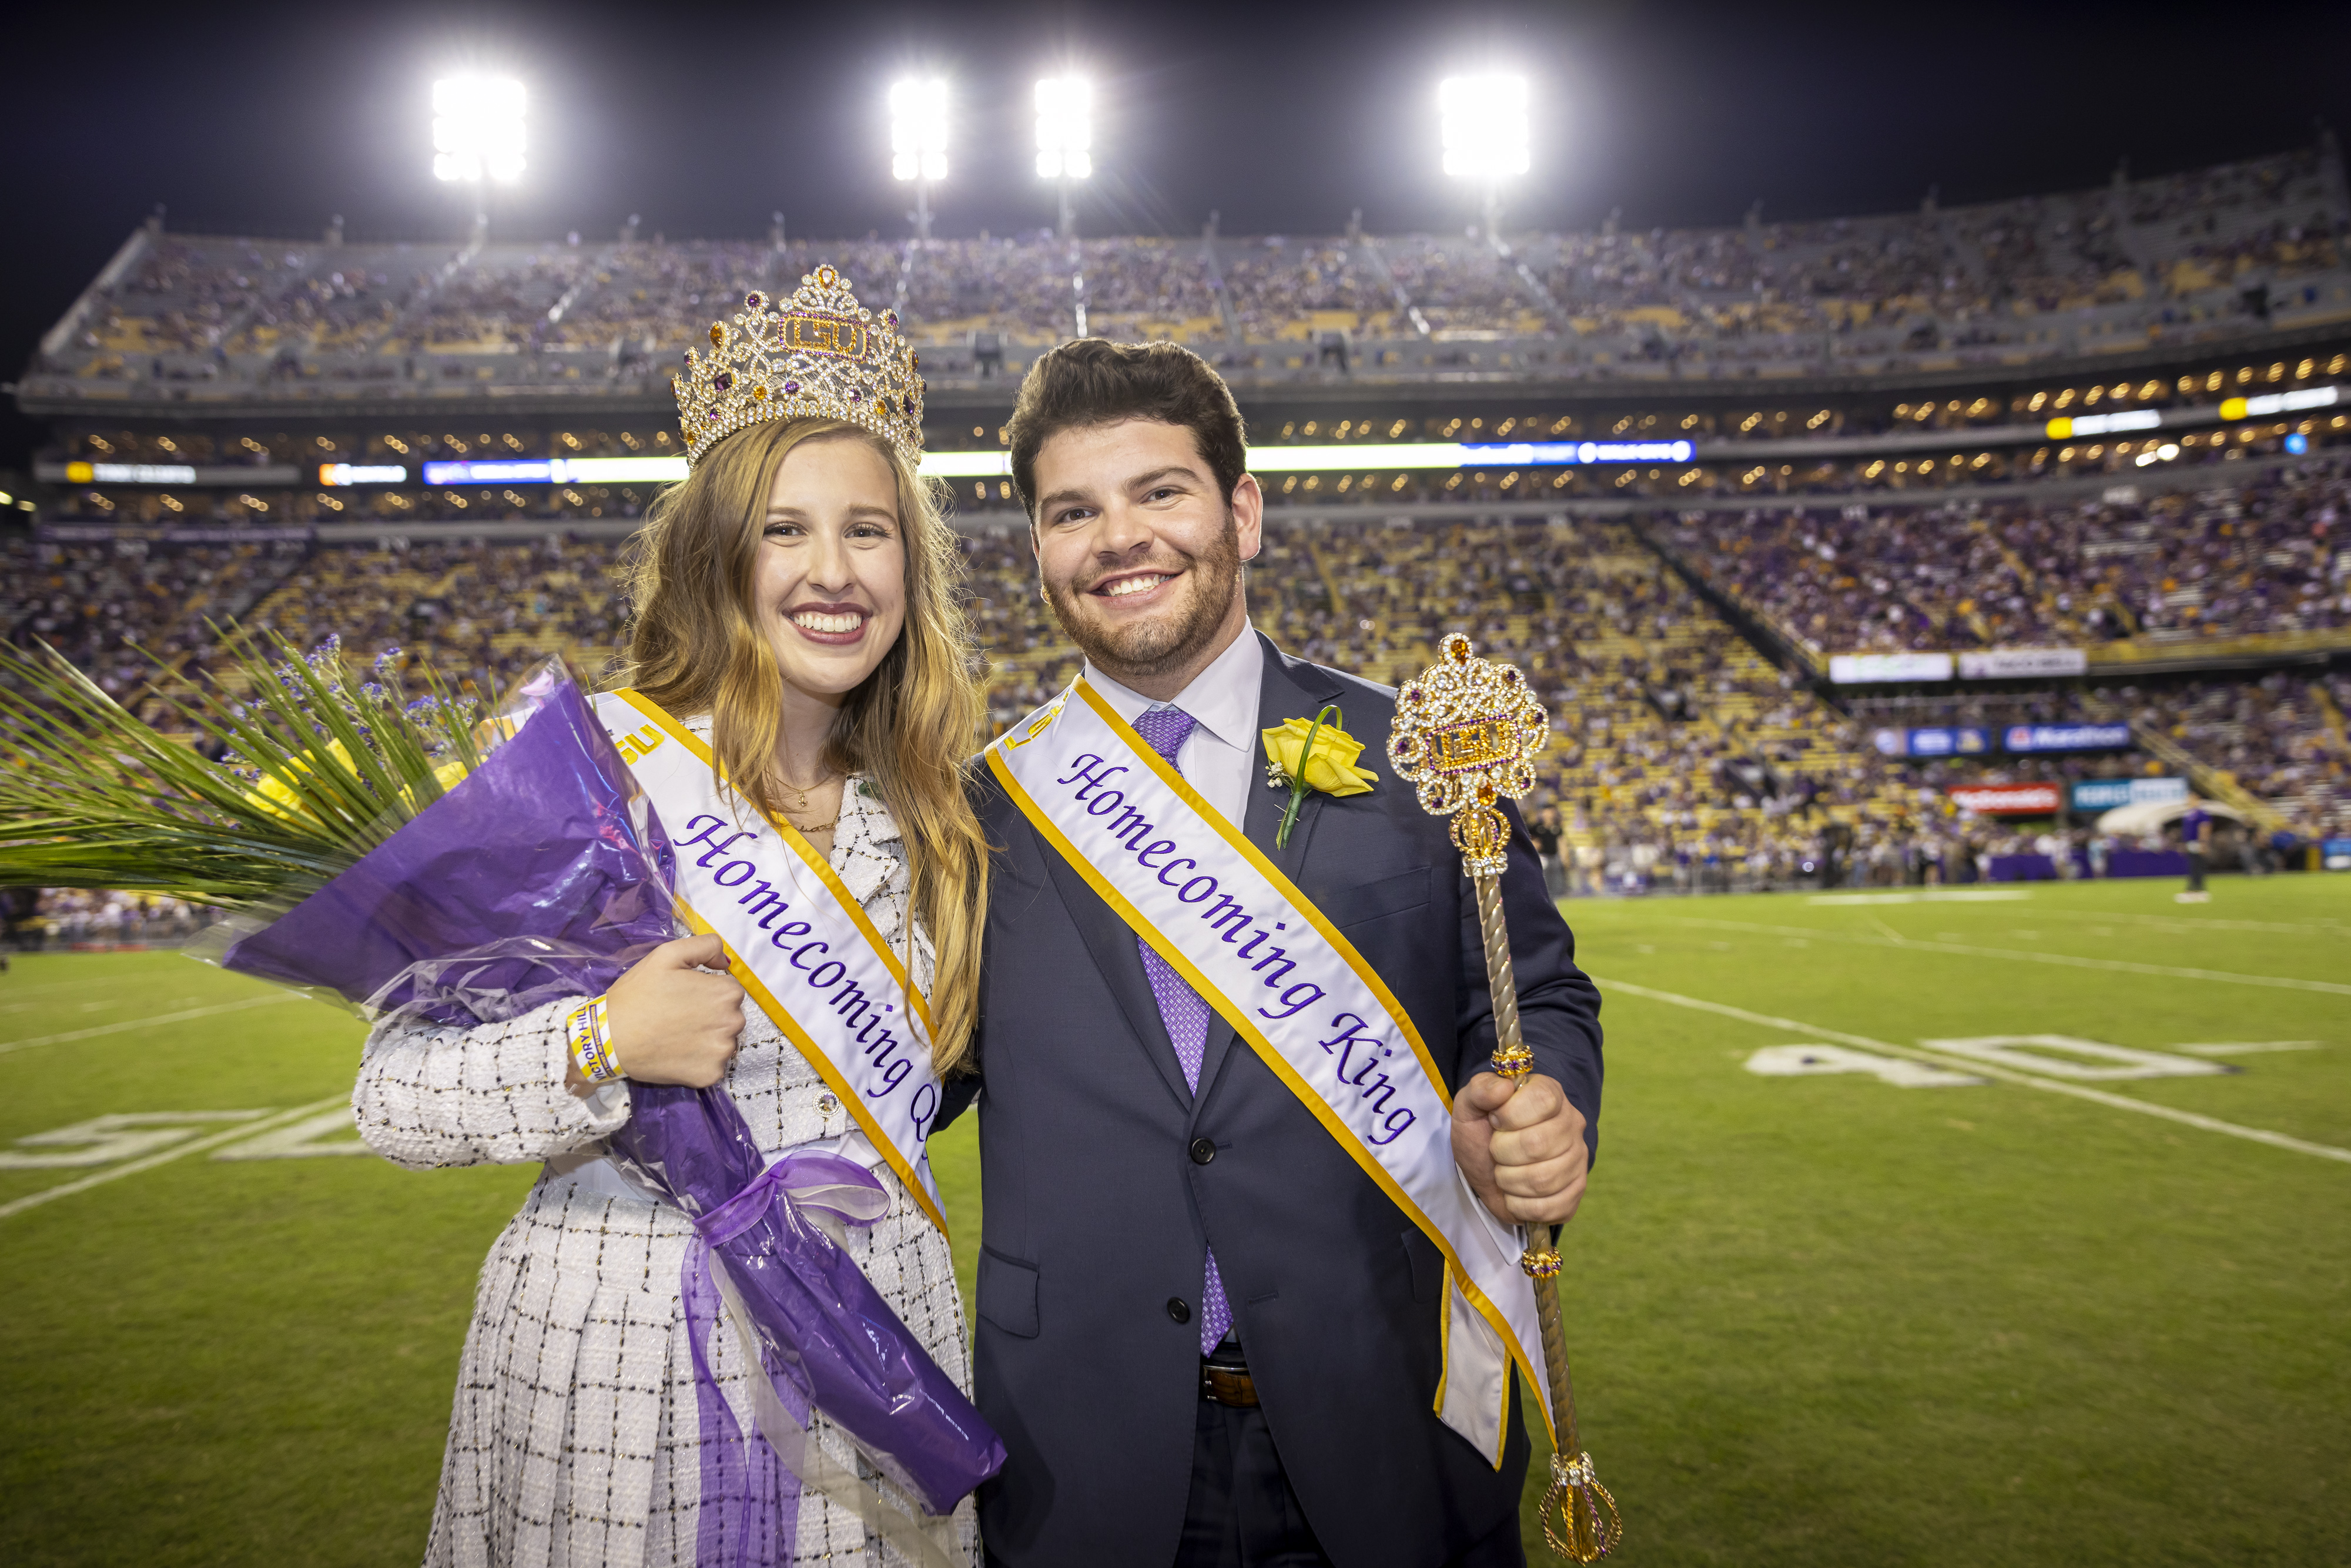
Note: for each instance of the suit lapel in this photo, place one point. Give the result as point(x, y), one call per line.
point(1286, 688)
point(1117, 955)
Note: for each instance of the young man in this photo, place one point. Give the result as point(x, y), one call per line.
point(1208, 1329)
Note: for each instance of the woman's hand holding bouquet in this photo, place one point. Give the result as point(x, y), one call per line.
point(677, 1015)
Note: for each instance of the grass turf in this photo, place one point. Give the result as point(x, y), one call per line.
point(1815, 1319)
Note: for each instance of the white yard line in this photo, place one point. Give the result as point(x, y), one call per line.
point(1964, 949)
point(10, 990)
point(2193, 924)
point(193, 1145)
point(2248, 1047)
point(1985, 1070)
point(261, 1001)
point(1960, 895)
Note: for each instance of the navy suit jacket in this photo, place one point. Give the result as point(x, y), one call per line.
point(1098, 1205)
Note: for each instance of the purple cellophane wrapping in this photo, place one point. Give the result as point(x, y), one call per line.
point(543, 870)
point(824, 1332)
point(545, 873)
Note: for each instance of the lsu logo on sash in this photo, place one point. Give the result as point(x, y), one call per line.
point(1273, 967)
point(796, 940)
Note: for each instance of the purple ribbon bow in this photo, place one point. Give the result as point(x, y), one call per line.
point(749, 1513)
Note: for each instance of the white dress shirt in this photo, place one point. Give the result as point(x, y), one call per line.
point(1220, 757)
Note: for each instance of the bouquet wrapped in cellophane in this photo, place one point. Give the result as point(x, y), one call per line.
point(428, 860)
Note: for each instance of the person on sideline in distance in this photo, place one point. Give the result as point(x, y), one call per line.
point(1206, 1334)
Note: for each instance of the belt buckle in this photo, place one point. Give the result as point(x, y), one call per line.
point(1228, 1386)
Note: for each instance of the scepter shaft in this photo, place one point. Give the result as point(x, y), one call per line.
point(1513, 1061)
point(1466, 734)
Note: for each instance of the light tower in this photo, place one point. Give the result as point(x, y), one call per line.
point(1065, 138)
point(477, 136)
point(918, 142)
point(1483, 131)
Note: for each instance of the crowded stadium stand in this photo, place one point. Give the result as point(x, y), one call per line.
point(2172, 261)
point(2235, 563)
point(1881, 550)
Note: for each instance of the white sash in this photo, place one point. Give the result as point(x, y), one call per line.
point(1274, 969)
point(795, 939)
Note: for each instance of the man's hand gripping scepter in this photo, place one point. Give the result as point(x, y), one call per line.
point(1466, 734)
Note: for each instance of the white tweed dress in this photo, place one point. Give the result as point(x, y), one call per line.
point(574, 1439)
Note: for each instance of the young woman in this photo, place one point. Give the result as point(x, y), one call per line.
point(796, 636)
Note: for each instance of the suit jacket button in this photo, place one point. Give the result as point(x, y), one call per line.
point(1180, 1308)
point(1202, 1151)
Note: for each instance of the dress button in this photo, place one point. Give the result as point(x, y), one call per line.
point(1180, 1308)
point(1202, 1151)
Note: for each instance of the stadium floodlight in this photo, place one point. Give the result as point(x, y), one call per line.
point(1482, 129)
point(478, 137)
point(478, 129)
point(1065, 136)
point(918, 141)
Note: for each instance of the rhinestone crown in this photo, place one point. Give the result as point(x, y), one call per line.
point(819, 354)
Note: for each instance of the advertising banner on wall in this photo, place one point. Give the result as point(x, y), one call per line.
point(1945, 740)
point(2065, 736)
point(187, 534)
point(1964, 740)
point(2335, 854)
point(2007, 800)
point(1860, 669)
point(2105, 794)
point(168, 472)
point(2021, 664)
point(1980, 664)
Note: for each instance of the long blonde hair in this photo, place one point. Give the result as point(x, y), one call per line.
point(695, 647)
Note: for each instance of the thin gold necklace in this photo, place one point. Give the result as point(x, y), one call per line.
point(800, 806)
point(800, 793)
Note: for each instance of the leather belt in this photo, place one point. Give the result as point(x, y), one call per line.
point(1227, 1385)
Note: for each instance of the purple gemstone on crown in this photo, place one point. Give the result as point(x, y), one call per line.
point(791, 387)
point(853, 394)
point(890, 318)
point(753, 299)
point(722, 380)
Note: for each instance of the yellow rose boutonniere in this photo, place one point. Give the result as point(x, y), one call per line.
point(1313, 754)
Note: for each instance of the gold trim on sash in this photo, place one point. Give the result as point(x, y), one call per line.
point(1265, 868)
point(1239, 1018)
point(777, 1012)
point(800, 846)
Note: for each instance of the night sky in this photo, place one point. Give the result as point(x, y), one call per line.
point(704, 120)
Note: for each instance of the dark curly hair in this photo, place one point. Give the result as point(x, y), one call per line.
point(1094, 381)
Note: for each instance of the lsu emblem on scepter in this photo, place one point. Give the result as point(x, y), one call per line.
point(1466, 733)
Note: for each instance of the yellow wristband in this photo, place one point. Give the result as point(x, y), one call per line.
point(588, 1029)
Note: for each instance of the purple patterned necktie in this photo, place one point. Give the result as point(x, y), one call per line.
point(1182, 1010)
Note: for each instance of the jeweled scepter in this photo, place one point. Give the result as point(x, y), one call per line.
point(1466, 733)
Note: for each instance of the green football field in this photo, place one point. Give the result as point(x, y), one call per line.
point(2009, 1226)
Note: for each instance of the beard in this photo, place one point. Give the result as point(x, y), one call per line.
point(1145, 650)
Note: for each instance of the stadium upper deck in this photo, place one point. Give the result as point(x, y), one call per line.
point(2247, 254)
point(1882, 387)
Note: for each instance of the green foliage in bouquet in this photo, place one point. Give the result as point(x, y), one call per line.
point(319, 765)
